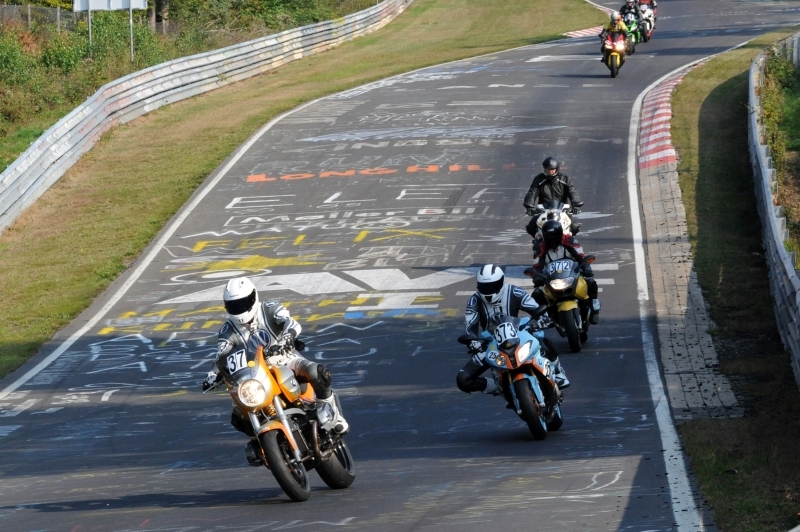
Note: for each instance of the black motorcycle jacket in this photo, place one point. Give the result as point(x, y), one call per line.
point(546, 188)
point(512, 300)
point(624, 10)
point(270, 322)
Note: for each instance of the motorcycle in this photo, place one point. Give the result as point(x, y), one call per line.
point(553, 210)
point(648, 19)
point(568, 301)
point(523, 374)
point(634, 36)
point(614, 47)
point(280, 415)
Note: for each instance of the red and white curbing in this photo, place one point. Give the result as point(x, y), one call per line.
point(589, 32)
point(655, 140)
point(695, 387)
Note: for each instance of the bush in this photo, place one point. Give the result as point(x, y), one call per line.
point(64, 52)
point(13, 62)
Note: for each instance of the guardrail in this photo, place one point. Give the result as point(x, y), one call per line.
point(124, 99)
point(783, 278)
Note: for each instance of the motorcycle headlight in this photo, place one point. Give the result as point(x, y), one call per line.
point(561, 284)
point(524, 352)
point(620, 46)
point(252, 392)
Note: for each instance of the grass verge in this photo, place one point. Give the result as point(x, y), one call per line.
point(748, 468)
point(62, 252)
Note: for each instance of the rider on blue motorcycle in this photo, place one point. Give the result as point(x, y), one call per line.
point(493, 297)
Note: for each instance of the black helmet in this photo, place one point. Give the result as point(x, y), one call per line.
point(551, 163)
point(552, 232)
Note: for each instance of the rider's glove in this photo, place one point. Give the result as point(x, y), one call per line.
point(544, 322)
point(211, 379)
point(475, 347)
point(576, 210)
point(287, 339)
point(530, 212)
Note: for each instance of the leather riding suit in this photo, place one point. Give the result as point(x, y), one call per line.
point(550, 188)
point(512, 299)
point(273, 325)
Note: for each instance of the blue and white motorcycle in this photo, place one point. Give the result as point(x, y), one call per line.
point(513, 350)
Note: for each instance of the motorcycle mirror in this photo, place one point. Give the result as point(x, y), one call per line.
point(530, 272)
point(589, 259)
point(466, 339)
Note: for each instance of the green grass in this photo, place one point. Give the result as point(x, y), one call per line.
point(748, 469)
point(66, 249)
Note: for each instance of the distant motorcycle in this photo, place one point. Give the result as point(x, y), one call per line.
point(567, 297)
point(282, 419)
point(525, 377)
point(634, 35)
point(648, 22)
point(614, 51)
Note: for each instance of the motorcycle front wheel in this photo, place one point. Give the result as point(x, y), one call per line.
point(613, 65)
point(339, 470)
point(531, 412)
point(569, 322)
point(292, 478)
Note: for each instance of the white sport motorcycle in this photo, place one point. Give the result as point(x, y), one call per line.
point(647, 22)
point(553, 210)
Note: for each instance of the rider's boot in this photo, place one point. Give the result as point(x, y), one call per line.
point(491, 386)
point(559, 375)
point(594, 316)
point(330, 415)
point(251, 451)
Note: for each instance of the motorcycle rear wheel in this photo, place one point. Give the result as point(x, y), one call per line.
point(531, 412)
point(292, 479)
point(339, 470)
point(570, 325)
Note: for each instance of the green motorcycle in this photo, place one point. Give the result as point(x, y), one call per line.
point(634, 32)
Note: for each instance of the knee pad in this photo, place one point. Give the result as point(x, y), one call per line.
point(324, 376)
point(467, 384)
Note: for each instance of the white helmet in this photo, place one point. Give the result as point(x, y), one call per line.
point(490, 283)
point(241, 299)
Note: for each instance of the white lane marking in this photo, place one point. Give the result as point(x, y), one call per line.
point(457, 87)
point(604, 281)
point(8, 429)
point(465, 292)
point(544, 58)
point(485, 102)
point(496, 85)
point(108, 394)
point(597, 85)
point(605, 267)
point(49, 410)
point(17, 410)
point(685, 512)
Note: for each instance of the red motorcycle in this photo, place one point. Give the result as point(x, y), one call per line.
point(614, 49)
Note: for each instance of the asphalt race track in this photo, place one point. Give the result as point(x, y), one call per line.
point(367, 213)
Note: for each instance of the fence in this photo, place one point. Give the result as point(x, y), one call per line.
point(122, 100)
point(30, 15)
point(784, 281)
